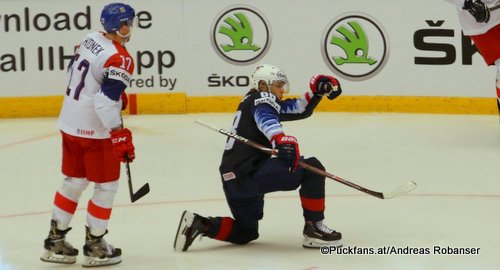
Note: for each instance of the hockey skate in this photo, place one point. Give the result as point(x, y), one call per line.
point(99, 253)
point(318, 234)
point(190, 226)
point(57, 250)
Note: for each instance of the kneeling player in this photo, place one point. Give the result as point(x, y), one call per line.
point(248, 174)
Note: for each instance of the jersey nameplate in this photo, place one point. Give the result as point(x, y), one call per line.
point(268, 99)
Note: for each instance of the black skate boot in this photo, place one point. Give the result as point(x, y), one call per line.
point(190, 226)
point(99, 253)
point(318, 234)
point(57, 250)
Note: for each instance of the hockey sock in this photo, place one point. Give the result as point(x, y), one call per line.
point(312, 192)
point(66, 200)
point(313, 208)
point(228, 230)
point(226, 225)
point(100, 206)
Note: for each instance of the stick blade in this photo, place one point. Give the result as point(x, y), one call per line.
point(140, 193)
point(401, 190)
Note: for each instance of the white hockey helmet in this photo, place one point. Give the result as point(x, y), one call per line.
point(269, 74)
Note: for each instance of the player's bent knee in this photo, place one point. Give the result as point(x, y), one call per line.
point(314, 162)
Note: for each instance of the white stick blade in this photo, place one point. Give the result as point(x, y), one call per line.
point(401, 190)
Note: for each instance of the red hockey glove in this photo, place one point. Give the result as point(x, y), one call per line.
point(288, 150)
point(124, 100)
point(325, 85)
point(122, 144)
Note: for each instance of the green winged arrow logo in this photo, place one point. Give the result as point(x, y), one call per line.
point(354, 43)
point(240, 33)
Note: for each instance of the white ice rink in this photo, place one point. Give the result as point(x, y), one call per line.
point(454, 159)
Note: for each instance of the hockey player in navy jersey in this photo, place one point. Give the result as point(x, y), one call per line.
point(248, 174)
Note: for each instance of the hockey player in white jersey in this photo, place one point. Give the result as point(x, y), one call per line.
point(483, 26)
point(94, 141)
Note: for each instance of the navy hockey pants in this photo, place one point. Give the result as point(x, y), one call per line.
point(245, 197)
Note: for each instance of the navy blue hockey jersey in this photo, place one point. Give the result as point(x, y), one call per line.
point(258, 119)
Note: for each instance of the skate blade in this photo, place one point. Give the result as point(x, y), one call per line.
point(51, 257)
point(180, 239)
point(317, 243)
point(96, 261)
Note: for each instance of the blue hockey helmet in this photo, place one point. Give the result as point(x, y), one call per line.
point(113, 15)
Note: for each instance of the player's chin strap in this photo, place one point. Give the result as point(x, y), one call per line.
point(125, 37)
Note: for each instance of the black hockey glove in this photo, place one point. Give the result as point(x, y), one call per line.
point(322, 85)
point(288, 150)
point(477, 9)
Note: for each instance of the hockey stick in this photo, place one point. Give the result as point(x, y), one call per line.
point(495, 7)
point(390, 195)
point(141, 192)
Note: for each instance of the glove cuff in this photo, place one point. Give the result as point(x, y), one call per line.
point(277, 137)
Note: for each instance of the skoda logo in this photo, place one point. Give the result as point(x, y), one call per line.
point(240, 35)
point(355, 46)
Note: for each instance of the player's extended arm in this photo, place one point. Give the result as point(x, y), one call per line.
point(320, 85)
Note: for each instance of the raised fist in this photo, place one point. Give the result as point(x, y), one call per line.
point(322, 85)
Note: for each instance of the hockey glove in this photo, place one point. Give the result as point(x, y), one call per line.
point(325, 85)
point(124, 99)
point(288, 150)
point(477, 9)
point(122, 144)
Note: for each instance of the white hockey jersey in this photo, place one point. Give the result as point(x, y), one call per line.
point(469, 25)
point(99, 72)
